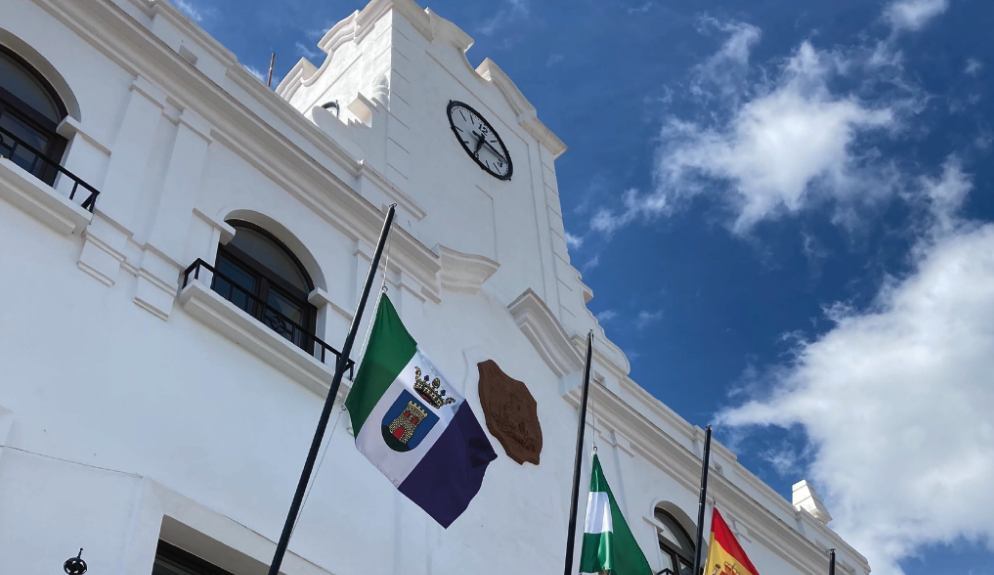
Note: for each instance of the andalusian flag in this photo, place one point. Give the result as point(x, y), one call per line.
point(725, 555)
point(415, 427)
point(608, 543)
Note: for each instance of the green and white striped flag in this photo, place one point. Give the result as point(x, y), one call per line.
point(608, 543)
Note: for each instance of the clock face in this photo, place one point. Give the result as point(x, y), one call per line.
point(480, 140)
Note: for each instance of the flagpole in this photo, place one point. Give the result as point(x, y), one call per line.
point(340, 366)
point(571, 535)
point(704, 497)
point(831, 562)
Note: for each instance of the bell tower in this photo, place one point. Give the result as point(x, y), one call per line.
point(430, 132)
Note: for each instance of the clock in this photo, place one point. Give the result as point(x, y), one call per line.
point(480, 140)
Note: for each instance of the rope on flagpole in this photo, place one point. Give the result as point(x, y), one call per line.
point(341, 413)
point(317, 472)
point(379, 296)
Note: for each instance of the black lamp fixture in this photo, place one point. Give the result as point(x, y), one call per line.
point(75, 565)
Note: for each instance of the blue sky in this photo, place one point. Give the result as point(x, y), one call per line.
point(784, 210)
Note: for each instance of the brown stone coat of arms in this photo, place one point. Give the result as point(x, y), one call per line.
point(511, 413)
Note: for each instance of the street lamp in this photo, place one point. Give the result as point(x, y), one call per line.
point(75, 565)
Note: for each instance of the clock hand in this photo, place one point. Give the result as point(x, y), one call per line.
point(495, 151)
point(479, 144)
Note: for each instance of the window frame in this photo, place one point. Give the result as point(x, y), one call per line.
point(186, 560)
point(23, 112)
point(677, 556)
point(267, 282)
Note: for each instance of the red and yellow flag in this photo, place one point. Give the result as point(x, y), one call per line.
point(725, 555)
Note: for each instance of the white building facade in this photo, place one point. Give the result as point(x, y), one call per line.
point(157, 413)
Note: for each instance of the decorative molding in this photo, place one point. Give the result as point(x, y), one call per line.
point(544, 332)
point(606, 354)
point(41, 201)
point(6, 423)
point(404, 201)
point(805, 499)
point(225, 229)
point(320, 298)
point(462, 272)
point(70, 128)
point(158, 277)
point(220, 314)
point(661, 449)
point(527, 116)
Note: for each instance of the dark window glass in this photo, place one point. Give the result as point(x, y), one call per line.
point(272, 255)
point(171, 560)
point(676, 545)
point(29, 114)
point(260, 275)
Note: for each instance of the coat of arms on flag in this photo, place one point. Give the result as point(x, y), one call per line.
point(413, 426)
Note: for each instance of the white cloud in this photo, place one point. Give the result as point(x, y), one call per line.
point(896, 398)
point(192, 11)
point(913, 15)
point(973, 67)
point(780, 149)
point(725, 72)
point(642, 8)
point(606, 315)
point(255, 72)
point(783, 460)
point(779, 152)
point(508, 12)
point(946, 194)
point(635, 204)
point(592, 263)
point(574, 242)
point(645, 318)
point(555, 59)
point(306, 52)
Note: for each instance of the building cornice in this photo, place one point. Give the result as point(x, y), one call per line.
point(432, 27)
point(527, 116)
point(631, 411)
point(658, 447)
point(462, 272)
point(305, 174)
point(543, 330)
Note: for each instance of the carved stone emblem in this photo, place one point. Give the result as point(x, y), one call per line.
point(511, 413)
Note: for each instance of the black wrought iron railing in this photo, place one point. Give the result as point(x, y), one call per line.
point(267, 314)
point(10, 145)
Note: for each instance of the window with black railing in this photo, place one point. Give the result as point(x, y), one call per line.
point(30, 112)
point(263, 278)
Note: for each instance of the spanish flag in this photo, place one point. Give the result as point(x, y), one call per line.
point(725, 555)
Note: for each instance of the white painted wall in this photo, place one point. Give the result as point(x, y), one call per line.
point(130, 411)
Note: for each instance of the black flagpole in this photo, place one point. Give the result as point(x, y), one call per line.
point(571, 535)
point(831, 563)
point(340, 366)
point(704, 499)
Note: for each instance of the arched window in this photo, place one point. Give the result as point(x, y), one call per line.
point(676, 545)
point(257, 273)
point(30, 112)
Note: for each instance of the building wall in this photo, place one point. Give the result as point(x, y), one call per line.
point(136, 405)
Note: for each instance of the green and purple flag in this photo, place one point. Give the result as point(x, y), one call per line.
point(413, 425)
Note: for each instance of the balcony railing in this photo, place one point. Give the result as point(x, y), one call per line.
point(267, 314)
point(11, 144)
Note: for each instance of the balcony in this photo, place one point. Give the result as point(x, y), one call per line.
point(49, 171)
point(42, 187)
point(220, 302)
